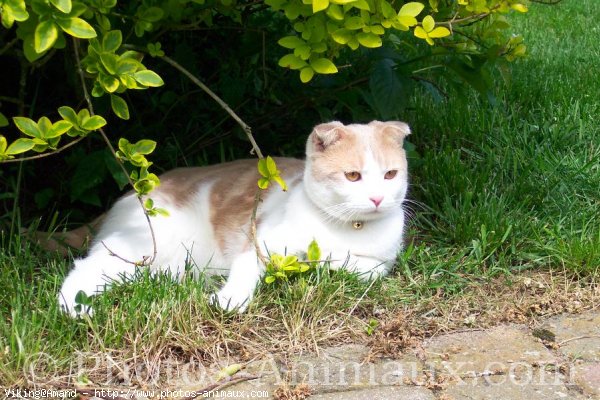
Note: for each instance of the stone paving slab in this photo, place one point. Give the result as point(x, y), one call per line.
point(381, 393)
point(537, 385)
point(506, 362)
point(580, 334)
point(497, 349)
point(587, 377)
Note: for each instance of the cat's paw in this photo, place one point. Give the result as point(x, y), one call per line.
point(229, 300)
point(76, 293)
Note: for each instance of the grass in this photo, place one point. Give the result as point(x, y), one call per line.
point(503, 196)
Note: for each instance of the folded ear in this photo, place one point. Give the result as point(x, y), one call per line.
point(395, 128)
point(324, 135)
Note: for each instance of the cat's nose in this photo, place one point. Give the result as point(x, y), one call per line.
point(376, 200)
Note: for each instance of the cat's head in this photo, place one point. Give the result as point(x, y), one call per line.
point(357, 172)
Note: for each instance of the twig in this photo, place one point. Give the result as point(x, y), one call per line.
point(88, 100)
point(8, 45)
point(578, 338)
point(216, 98)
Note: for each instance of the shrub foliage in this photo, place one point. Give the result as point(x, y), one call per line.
point(76, 70)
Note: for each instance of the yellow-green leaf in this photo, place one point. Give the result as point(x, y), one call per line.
point(148, 78)
point(77, 27)
point(3, 144)
point(323, 66)
point(439, 32)
point(342, 36)
point(319, 5)
point(27, 126)
point(108, 82)
point(428, 23)
point(335, 12)
point(411, 9)
point(370, 40)
point(119, 106)
point(263, 183)
point(3, 120)
point(291, 42)
point(292, 61)
point(45, 36)
point(19, 146)
point(520, 7)
point(270, 279)
point(306, 74)
point(63, 5)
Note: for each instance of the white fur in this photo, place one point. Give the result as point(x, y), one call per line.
point(289, 221)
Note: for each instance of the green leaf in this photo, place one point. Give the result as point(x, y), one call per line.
point(269, 279)
point(277, 178)
point(271, 166)
point(144, 146)
point(110, 62)
point(291, 42)
point(306, 74)
point(314, 251)
point(149, 204)
point(342, 36)
point(27, 126)
point(148, 78)
point(58, 128)
point(95, 122)
point(292, 61)
point(3, 144)
point(411, 9)
point(354, 23)
point(45, 36)
point(323, 66)
point(19, 146)
point(69, 114)
point(119, 106)
point(3, 120)
point(112, 41)
point(335, 12)
point(77, 27)
point(387, 89)
point(152, 14)
point(63, 5)
point(369, 40)
point(264, 183)
point(319, 5)
point(108, 82)
point(13, 11)
point(228, 371)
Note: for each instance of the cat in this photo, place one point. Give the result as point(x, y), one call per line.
point(347, 196)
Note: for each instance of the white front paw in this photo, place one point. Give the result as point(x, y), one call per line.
point(229, 299)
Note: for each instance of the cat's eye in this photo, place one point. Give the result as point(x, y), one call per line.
point(352, 176)
point(391, 174)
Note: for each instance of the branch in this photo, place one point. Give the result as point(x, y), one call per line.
point(88, 100)
point(206, 89)
point(216, 98)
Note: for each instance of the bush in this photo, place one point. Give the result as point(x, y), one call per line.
point(77, 72)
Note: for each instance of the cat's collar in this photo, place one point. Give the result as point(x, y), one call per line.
point(358, 225)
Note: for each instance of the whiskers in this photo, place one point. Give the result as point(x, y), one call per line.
point(340, 213)
point(411, 207)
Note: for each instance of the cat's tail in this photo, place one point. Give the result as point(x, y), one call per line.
point(64, 241)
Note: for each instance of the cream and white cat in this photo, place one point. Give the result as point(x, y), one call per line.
point(347, 196)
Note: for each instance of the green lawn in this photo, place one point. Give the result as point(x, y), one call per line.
point(498, 191)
